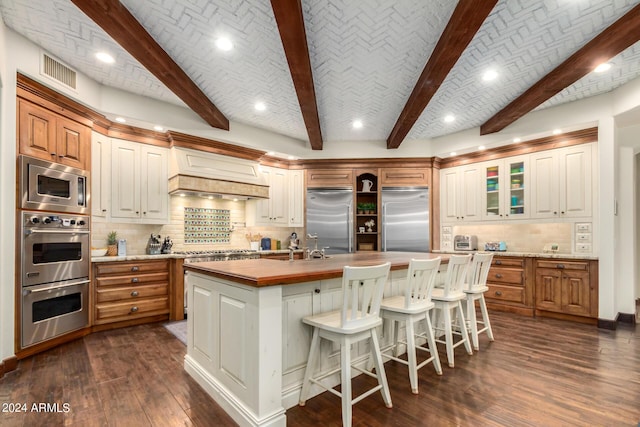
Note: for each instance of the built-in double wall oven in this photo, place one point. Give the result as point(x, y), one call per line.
point(54, 251)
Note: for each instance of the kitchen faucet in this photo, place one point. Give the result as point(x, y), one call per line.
point(315, 253)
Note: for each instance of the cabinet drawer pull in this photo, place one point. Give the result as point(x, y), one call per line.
point(498, 276)
point(134, 280)
point(498, 293)
point(498, 262)
point(135, 268)
point(560, 266)
point(134, 309)
point(134, 294)
point(317, 291)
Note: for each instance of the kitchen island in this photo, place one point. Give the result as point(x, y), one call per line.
point(246, 343)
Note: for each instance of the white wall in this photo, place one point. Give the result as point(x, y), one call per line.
point(7, 196)
point(637, 222)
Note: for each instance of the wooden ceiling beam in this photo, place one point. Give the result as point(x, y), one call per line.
point(465, 22)
point(290, 20)
point(122, 26)
point(619, 36)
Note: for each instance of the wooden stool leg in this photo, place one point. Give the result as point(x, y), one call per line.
point(463, 329)
point(471, 319)
point(432, 346)
point(345, 378)
point(485, 317)
point(448, 332)
point(314, 351)
point(382, 376)
point(411, 356)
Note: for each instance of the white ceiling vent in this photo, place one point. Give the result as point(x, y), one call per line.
point(56, 70)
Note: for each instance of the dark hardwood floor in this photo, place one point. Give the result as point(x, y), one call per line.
point(538, 372)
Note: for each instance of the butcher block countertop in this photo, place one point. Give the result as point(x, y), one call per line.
point(270, 272)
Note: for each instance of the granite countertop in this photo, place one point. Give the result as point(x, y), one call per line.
point(270, 272)
point(141, 257)
point(589, 257)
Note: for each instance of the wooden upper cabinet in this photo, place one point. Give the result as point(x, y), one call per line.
point(405, 176)
point(329, 177)
point(46, 135)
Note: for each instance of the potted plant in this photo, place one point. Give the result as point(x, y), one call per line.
point(371, 208)
point(361, 207)
point(112, 243)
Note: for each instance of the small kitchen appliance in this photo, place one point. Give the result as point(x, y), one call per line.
point(495, 246)
point(465, 242)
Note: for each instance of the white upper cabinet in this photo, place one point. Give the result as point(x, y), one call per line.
point(154, 175)
point(100, 175)
point(505, 187)
point(562, 182)
point(296, 198)
point(460, 193)
point(274, 210)
point(285, 205)
point(139, 184)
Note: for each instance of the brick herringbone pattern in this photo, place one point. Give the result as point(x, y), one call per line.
point(366, 57)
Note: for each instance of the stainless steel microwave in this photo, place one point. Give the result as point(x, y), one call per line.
point(48, 186)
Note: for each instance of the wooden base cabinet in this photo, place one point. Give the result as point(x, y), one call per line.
point(131, 292)
point(509, 289)
point(566, 287)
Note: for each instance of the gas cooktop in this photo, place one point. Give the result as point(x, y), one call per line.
point(215, 252)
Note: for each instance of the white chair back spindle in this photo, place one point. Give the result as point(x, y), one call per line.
point(421, 278)
point(362, 290)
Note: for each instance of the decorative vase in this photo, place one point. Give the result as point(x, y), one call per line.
point(112, 250)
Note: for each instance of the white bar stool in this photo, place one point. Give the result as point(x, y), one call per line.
point(362, 289)
point(475, 288)
point(414, 306)
point(448, 300)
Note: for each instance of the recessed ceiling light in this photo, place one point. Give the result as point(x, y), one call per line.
point(105, 57)
point(489, 75)
point(224, 44)
point(453, 153)
point(270, 153)
point(158, 128)
point(357, 124)
point(120, 120)
point(449, 118)
point(291, 157)
point(482, 147)
point(516, 139)
point(183, 195)
point(557, 131)
point(260, 106)
point(605, 66)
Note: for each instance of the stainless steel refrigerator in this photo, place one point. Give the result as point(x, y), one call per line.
point(405, 219)
point(330, 217)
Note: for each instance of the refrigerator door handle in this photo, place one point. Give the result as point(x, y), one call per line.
point(350, 228)
point(384, 227)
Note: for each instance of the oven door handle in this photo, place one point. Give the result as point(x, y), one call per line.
point(66, 285)
point(28, 232)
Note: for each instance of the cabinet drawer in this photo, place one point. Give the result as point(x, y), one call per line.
point(131, 293)
point(511, 276)
point(120, 268)
point(562, 265)
point(508, 262)
point(329, 177)
point(131, 309)
point(505, 293)
point(133, 279)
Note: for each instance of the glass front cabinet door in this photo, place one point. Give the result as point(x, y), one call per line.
point(506, 189)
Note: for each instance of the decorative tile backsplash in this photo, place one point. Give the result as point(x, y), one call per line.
point(205, 225)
